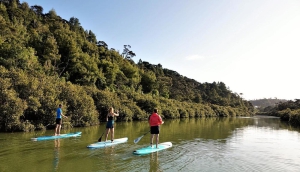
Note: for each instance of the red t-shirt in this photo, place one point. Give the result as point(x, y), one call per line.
point(155, 120)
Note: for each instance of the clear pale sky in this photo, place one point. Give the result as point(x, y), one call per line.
point(253, 46)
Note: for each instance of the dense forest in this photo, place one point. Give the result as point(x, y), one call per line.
point(264, 105)
point(287, 111)
point(46, 60)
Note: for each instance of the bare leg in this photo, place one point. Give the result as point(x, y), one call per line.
point(157, 139)
point(106, 134)
point(112, 134)
point(151, 139)
point(57, 129)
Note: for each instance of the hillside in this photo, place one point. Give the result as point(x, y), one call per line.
point(46, 60)
point(262, 103)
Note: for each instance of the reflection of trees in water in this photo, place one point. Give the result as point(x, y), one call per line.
point(215, 128)
point(56, 153)
point(154, 164)
point(273, 122)
point(206, 128)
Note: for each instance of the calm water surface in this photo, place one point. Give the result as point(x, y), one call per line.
point(205, 144)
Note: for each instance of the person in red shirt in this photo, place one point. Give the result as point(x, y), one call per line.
point(155, 121)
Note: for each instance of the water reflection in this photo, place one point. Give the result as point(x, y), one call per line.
point(200, 144)
point(154, 163)
point(56, 153)
point(109, 150)
point(109, 158)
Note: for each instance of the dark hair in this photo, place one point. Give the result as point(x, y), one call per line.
point(155, 110)
point(59, 105)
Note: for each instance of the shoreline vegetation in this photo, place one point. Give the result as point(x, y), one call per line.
point(46, 60)
point(288, 111)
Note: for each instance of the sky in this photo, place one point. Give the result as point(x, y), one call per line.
point(250, 45)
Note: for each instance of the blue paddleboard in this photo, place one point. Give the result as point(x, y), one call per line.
point(56, 137)
point(149, 149)
point(107, 143)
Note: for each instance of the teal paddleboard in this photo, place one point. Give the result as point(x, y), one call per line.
point(149, 149)
point(76, 134)
point(107, 143)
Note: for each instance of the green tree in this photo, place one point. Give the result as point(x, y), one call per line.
point(11, 106)
point(148, 81)
point(127, 53)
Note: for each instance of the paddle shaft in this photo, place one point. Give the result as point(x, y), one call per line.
point(99, 140)
point(146, 133)
point(139, 138)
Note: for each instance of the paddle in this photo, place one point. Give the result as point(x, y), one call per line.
point(99, 140)
point(139, 138)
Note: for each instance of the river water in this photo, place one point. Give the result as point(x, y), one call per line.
point(204, 144)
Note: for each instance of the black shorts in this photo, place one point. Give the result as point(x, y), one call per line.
point(154, 130)
point(58, 121)
point(110, 124)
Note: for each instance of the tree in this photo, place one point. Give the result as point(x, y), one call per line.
point(127, 54)
point(91, 37)
point(37, 9)
point(102, 44)
point(74, 23)
point(148, 81)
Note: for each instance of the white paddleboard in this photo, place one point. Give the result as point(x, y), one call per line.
point(56, 137)
point(107, 143)
point(149, 149)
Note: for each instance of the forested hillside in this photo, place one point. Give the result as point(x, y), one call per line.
point(46, 60)
point(262, 103)
point(287, 111)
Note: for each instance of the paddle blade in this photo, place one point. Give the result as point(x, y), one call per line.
point(138, 139)
point(99, 140)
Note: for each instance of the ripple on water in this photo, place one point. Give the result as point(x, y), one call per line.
point(248, 148)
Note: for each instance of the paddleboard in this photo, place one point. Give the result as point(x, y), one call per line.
point(149, 149)
point(56, 137)
point(107, 143)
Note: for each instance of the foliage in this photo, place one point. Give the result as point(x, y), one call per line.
point(264, 105)
point(46, 60)
point(287, 111)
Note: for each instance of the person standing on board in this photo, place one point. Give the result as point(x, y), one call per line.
point(110, 123)
point(155, 121)
point(59, 114)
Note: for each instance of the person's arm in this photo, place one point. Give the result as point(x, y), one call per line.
point(63, 114)
point(107, 117)
point(116, 114)
point(160, 120)
point(149, 120)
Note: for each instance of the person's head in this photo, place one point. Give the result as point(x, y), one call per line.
point(60, 105)
point(155, 110)
point(111, 110)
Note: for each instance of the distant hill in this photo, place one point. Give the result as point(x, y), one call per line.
point(266, 102)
